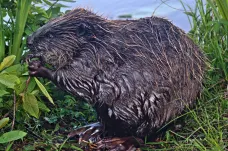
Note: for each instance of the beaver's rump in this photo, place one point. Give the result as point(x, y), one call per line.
point(158, 71)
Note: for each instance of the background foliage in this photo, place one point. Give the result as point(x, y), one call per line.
point(42, 115)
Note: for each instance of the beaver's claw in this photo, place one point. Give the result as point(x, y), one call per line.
point(90, 133)
point(36, 69)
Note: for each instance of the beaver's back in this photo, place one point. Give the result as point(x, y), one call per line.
point(159, 72)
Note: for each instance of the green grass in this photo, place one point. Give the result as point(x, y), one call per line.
point(205, 126)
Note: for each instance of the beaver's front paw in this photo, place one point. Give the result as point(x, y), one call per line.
point(36, 69)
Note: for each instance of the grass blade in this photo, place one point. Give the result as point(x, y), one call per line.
point(2, 36)
point(23, 7)
point(42, 88)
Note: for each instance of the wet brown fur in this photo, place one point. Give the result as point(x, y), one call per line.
point(138, 74)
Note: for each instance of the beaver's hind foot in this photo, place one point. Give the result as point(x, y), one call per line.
point(89, 133)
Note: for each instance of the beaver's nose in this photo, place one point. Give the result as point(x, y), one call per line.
point(29, 41)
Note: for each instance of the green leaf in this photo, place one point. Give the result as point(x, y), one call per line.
point(22, 11)
point(30, 104)
point(1, 103)
point(29, 148)
point(31, 86)
point(15, 69)
point(9, 146)
point(7, 61)
point(190, 14)
point(3, 92)
point(3, 122)
point(2, 33)
point(35, 92)
point(47, 2)
point(44, 91)
point(20, 88)
point(43, 107)
point(12, 136)
point(60, 5)
point(26, 73)
point(57, 127)
point(9, 80)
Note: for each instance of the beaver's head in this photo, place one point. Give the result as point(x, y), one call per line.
point(63, 38)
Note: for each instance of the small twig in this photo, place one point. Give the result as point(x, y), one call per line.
point(165, 2)
point(27, 83)
point(7, 114)
point(53, 4)
point(14, 109)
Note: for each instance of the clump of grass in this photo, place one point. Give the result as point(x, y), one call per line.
point(210, 31)
point(205, 126)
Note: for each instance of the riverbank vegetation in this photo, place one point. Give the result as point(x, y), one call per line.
point(34, 114)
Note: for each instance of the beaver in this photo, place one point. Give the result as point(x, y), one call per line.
point(137, 74)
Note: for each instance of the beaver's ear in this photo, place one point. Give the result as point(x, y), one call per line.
point(82, 29)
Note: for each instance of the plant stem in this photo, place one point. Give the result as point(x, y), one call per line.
point(23, 7)
point(14, 109)
point(2, 36)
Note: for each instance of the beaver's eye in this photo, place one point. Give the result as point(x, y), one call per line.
point(82, 29)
